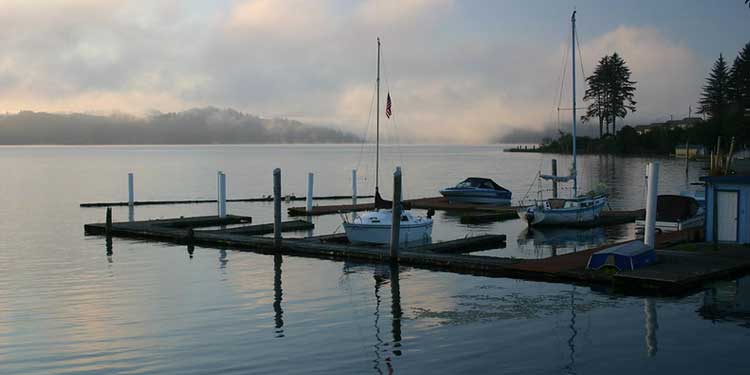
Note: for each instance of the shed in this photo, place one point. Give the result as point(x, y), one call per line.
point(625, 257)
point(727, 208)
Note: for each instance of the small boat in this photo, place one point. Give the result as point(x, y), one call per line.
point(578, 209)
point(562, 211)
point(478, 190)
point(675, 212)
point(374, 227)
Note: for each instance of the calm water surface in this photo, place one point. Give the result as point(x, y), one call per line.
point(150, 308)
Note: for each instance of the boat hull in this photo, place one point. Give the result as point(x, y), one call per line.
point(478, 196)
point(537, 216)
point(381, 233)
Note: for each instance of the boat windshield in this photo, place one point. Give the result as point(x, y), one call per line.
point(476, 183)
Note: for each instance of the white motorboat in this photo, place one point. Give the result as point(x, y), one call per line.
point(374, 227)
point(578, 209)
point(675, 212)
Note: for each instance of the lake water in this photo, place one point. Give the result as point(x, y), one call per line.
point(66, 307)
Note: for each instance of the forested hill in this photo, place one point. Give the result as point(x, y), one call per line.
point(195, 126)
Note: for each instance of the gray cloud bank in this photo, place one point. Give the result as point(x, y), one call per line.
point(195, 126)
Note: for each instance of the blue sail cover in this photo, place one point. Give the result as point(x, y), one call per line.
point(625, 257)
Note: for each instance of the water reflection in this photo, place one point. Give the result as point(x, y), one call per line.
point(278, 295)
point(728, 301)
point(649, 309)
point(570, 368)
point(108, 246)
point(545, 242)
point(384, 274)
point(223, 260)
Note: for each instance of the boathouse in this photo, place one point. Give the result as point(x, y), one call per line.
point(728, 208)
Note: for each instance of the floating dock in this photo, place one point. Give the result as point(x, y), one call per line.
point(676, 271)
point(469, 213)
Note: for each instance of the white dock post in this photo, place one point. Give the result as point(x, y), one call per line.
point(396, 217)
point(310, 179)
point(218, 193)
point(653, 190)
point(131, 198)
point(221, 194)
point(131, 193)
point(277, 208)
point(354, 187)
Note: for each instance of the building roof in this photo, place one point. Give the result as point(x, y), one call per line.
point(726, 179)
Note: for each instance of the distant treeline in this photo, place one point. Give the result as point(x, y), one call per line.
point(195, 126)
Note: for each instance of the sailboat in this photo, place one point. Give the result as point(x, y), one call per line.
point(374, 227)
point(579, 209)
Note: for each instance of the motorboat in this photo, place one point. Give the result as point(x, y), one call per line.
point(478, 190)
point(675, 212)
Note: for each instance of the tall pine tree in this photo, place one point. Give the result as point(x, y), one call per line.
point(610, 92)
point(621, 90)
point(739, 83)
point(715, 97)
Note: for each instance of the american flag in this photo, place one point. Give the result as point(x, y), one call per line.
point(388, 111)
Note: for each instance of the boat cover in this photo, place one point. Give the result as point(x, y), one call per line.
point(480, 182)
point(625, 257)
point(675, 208)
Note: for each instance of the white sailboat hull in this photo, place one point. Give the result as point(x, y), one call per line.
point(540, 215)
point(374, 227)
point(381, 234)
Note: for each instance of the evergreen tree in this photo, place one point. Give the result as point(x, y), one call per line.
point(596, 93)
point(610, 91)
point(621, 90)
point(715, 97)
point(739, 83)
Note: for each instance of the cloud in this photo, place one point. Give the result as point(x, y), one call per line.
point(668, 73)
point(314, 61)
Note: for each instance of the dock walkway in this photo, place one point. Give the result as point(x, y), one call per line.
point(676, 272)
point(470, 213)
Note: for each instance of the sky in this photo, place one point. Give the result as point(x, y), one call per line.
point(457, 71)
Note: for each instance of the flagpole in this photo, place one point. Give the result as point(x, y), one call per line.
point(377, 126)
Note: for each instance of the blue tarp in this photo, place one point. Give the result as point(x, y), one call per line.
point(624, 257)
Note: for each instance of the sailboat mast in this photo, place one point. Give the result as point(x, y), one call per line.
point(573, 68)
point(377, 126)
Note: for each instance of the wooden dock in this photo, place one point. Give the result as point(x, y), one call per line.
point(676, 271)
point(469, 213)
point(198, 201)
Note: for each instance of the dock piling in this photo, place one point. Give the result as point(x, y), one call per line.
point(396, 211)
point(309, 198)
point(354, 192)
point(277, 208)
point(131, 193)
point(653, 189)
point(131, 198)
point(554, 182)
point(221, 198)
point(108, 220)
